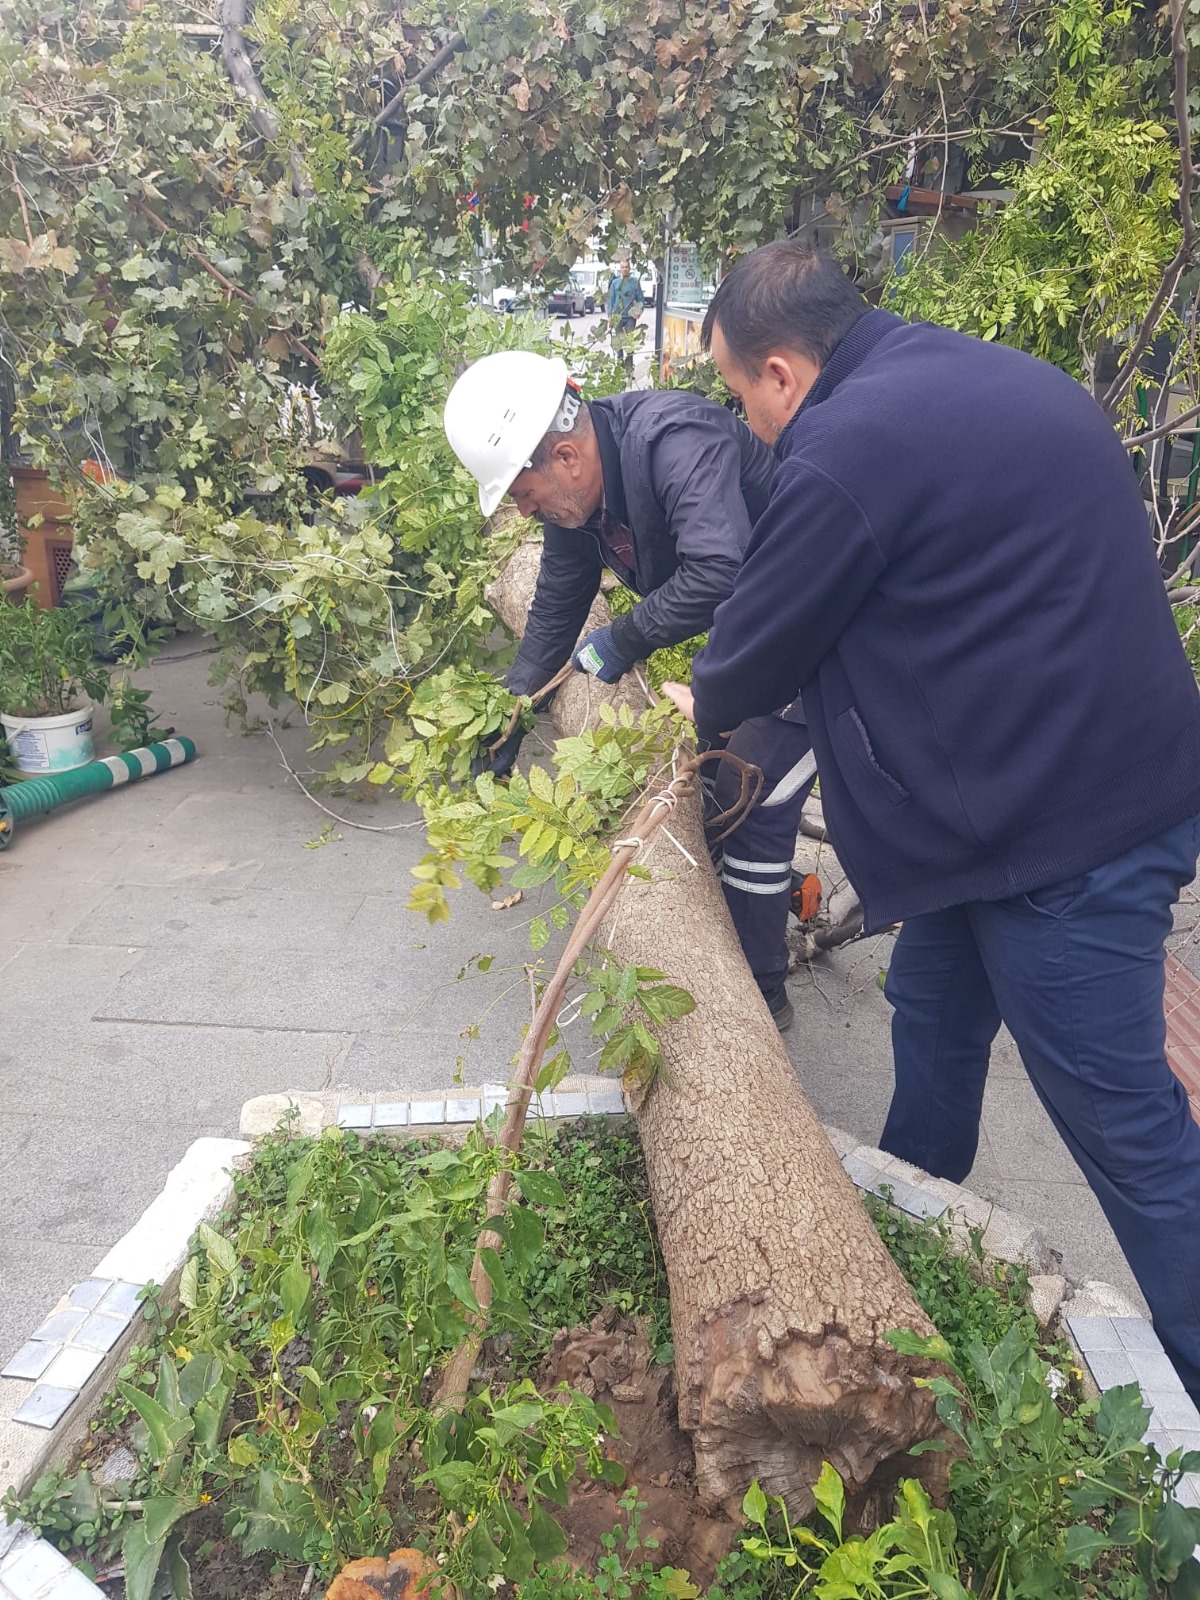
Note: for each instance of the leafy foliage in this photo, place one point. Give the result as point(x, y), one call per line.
point(47, 661)
point(625, 1004)
point(338, 605)
point(1074, 257)
point(601, 1246)
point(291, 1389)
point(625, 1571)
point(969, 1297)
point(289, 1395)
point(670, 665)
point(556, 820)
point(1042, 1502)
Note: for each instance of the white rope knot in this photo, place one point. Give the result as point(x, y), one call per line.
point(666, 801)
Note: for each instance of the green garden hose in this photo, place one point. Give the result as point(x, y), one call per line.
point(20, 801)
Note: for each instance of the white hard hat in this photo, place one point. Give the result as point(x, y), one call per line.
point(500, 410)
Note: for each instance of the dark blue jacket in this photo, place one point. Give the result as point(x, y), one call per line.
point(687, 479)
point(956, 571)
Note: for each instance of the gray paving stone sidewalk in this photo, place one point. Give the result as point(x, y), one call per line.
point(170, 950)
point(174, 949)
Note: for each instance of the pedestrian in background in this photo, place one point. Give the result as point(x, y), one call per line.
point(625, 306)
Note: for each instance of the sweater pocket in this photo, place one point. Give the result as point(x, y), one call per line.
point(852, 738)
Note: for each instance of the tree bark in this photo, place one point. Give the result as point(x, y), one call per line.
point(781, 1290)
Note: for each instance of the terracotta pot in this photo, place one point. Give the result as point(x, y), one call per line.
point(45, 519)
point(37, 497)
point(14, 585)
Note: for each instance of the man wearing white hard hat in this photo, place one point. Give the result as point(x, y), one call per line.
point(663, 488)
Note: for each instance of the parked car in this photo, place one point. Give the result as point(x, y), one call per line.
point(572, 300)
point(508, 299)
point(649, 282)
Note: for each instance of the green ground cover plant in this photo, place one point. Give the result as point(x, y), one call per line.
point(283, 1416)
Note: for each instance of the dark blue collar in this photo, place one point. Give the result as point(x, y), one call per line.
point(850, 352)
point(610, 463)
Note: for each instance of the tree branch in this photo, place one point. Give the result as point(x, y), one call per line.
point(1186, 254)
point(218, 276)
point(245, 80)
point(12, 167)
point(430, 70)
point(1134, 441)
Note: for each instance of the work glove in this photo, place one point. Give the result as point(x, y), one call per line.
point(498, 762)
point(600, 655)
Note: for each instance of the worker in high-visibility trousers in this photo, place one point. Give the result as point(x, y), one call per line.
point(663, 488)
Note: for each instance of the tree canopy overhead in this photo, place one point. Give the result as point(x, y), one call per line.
point(200, 208)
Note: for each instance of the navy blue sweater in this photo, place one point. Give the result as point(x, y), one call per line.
point(955, 570)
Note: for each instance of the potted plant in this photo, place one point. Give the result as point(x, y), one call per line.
point(15, 576)
point(49, 677)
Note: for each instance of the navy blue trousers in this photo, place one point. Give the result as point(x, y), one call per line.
point(1076, 972)
point(755, 861)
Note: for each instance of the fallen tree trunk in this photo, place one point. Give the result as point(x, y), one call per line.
point(781, 1290)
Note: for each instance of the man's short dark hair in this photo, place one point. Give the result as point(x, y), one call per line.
point(540, 459)
point(783, 296)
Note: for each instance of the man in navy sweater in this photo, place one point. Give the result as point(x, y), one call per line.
point(955, 571)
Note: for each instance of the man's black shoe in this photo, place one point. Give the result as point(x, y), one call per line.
point(781, 1009)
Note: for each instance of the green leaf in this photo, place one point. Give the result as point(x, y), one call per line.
point(553, 1072)
point(243, 1451)
point(932, 1346)
point(539, 933)
point(459, 1283)
point(619, 1048)
point(209, 1417)
point(546, 1538)
point(665, 1001)
point(754, 1505)
point(1122, 1418)
point(540, 1188)
point(520, 1415)
point(946, 1586)
point(162, 1512)
point(181, 1573)
point(166, 1433)
point(526, 1234)
point(280, 1518)
point(676, 1584)
point(830, 1495)
point(494, 1268)
point(222, 1258)
point(141, 1558)
point(198, 1376)
point(189, 1283)
point(1082, 1544)
point(295, 1286)
point(1176, 1533)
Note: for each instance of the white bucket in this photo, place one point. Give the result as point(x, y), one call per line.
point(51, 744)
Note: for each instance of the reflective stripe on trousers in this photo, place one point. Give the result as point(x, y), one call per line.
point(755, 862)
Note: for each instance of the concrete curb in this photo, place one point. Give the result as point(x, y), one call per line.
point(458, 1107)
point(90, 1329)
point(1113, 1342)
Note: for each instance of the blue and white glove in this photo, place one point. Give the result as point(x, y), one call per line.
point(600, 655)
